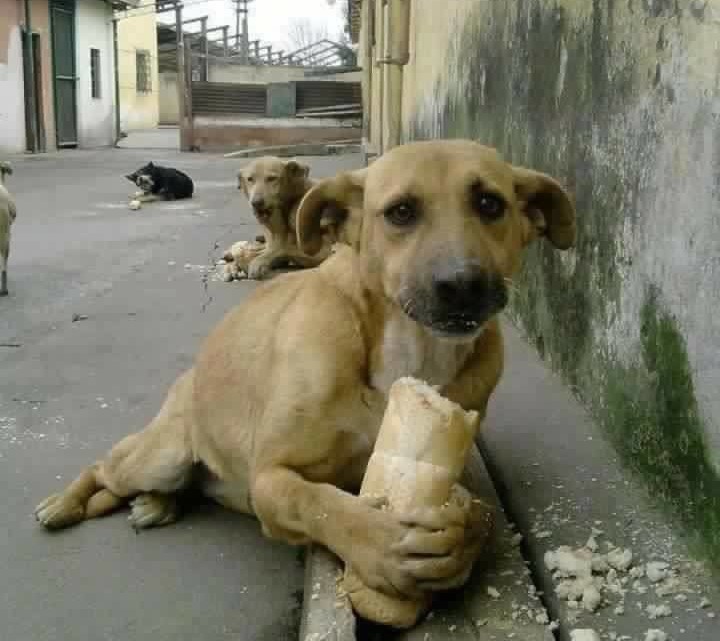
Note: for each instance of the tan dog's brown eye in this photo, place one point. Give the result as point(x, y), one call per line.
point(402, 214)
point(488, 205)
point(250, 180)
point(271, 179)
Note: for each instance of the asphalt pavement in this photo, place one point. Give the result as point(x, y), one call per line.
point(107, 306)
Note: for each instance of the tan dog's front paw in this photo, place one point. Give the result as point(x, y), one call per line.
point(152, 510)
point(479, 520)
point(258, 269)
point(411, 553)
point(59, 511)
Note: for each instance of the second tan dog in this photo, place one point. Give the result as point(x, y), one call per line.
point(274, 188)
point(280, 412)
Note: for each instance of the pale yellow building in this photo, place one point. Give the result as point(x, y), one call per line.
point(138, 68)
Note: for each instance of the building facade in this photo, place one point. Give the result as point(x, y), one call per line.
point(58, 85)
point(138, 79)
point(26, 108)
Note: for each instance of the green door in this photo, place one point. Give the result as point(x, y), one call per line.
point(64, 90)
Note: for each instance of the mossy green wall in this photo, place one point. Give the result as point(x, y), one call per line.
point(621, 102)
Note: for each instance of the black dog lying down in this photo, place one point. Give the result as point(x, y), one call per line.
point(160, 183)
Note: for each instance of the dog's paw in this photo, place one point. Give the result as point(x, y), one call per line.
point(59, 511)
point(258, 270)
point(152, 510)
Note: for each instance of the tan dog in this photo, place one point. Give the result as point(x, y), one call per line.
point(275, 188)
point(8, 213)
point(279, 414)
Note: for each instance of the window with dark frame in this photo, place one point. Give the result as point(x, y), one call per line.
point(95, 84)
point(142, 71)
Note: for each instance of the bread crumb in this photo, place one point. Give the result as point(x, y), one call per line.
point(655, 635)
point(584, 634)
point(620, 559)
point(656, 571)
point(493, 592)
point(591, 598)
point(658, 611)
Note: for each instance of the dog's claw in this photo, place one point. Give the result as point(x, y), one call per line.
point(152, 510)
point(57, 512)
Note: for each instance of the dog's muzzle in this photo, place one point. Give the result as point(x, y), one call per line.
point(261, 211)
point(456, 299)
point(145, 183)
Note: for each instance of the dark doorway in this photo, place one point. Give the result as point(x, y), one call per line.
point(64, 78)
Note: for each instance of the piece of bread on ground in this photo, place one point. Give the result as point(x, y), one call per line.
point(239, 256)
point(417, 461)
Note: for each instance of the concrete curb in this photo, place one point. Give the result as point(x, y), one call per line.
point(497, 603)
point(350, 146)
point(326, 614)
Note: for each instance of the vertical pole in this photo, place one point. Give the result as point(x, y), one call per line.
point(31, 111)
point(225, 41)
point(116, 77)
point(237, 22)
point(205, 49)
point(245, 40)
point(257, 49)
point(183, 116)
point(190, 136)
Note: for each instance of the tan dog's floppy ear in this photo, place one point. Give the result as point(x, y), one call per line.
point(296, 170)
point(241, 181)
point(547, 205)
point(338, 200)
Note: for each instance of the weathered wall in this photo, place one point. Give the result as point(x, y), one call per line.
point(262, 75)
point(12, 110)
point(40, 21)
point(96, 116)
point(138, 31)
point(231, 132)
point(621, 102)
point(168, 98)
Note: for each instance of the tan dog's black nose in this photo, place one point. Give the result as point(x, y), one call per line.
point(467, 287)
point(258, 202)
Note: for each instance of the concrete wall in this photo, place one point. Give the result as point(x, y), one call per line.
point(138, 110)
point(168, 98)
point(621, 102)
point(12, 109)
point(262, 75)
point(232, 132)
point(96, 116)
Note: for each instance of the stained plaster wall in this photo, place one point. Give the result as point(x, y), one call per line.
point(620, 100)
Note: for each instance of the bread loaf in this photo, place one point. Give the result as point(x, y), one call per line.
point(418, 458)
